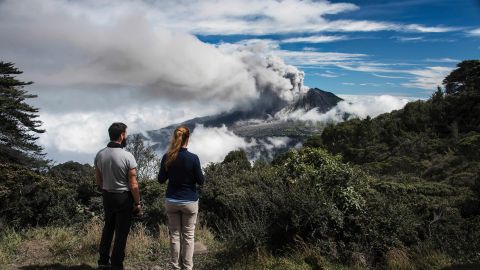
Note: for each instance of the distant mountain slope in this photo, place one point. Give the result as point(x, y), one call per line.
point(259, 122)
point(316, 98)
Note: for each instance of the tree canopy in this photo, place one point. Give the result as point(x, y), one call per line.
point(19, 122)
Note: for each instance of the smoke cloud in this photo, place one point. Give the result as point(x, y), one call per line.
point(213, 144)
point(129, 59)
point(359, 106)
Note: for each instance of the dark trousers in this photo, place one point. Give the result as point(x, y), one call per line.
point(118, 219)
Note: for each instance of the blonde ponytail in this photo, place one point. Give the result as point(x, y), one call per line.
point(179, 138)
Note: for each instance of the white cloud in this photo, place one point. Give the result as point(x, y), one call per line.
point(213, 144)
point(406, 39)
point(422, 78)
point(317, 58)
point(388, 77)
point(212, 17)
point(362, 66)
point(370, 84)
point(276, 142)
point(372, 26)
point(357, 105)
point(429, 29)
point(314, 39)
point(474, 32)
point(422, 39)
point(82, 134)
point(328, 75)
point(442, 60)
point(363, 105)
point(427, 78)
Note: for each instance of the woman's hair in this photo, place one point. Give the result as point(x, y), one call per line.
point(179, 138)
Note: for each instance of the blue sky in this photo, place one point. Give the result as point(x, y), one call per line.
point(393, 50)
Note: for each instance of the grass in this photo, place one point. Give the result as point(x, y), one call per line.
point(77, 248)
point(56, 246)
point(10, 240)
point(301, 259)
point(398, 259)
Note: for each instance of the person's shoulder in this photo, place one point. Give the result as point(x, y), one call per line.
point(127, 153)
point(101, 151)
point(193, 155)
point(99, 156)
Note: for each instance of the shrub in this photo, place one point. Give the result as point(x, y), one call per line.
point(153, 197)
point(308, 194)
point(32, 198)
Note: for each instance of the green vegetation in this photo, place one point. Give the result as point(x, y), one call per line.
point(400, 191)
point(18, 123)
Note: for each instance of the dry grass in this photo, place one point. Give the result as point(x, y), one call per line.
point(71, 245)
point(429, 259)
point(10, 241)
point(63, 242)
point(163, 237)
point(91, 234)
point(3, 258)
point(398, 259)
point(204, 235)
point(139, 244)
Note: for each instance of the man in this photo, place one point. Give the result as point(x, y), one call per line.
point(116, 175)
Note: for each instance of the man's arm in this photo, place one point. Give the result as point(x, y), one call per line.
point(132, 179)
point(98, 178)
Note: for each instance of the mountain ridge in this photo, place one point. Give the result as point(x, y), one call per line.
point(259, 124)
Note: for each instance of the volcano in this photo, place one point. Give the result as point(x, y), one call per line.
point(260, 124)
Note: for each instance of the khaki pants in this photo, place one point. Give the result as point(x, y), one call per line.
point(181, 227)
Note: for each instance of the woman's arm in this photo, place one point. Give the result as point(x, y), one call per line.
point(199, 178)
point(162, 174)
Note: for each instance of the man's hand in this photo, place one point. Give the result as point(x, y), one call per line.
point(138, 210)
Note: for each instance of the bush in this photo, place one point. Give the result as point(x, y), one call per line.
point(308, 194)
point(32, 198)
point(153, 197)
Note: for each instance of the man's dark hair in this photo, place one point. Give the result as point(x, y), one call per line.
point(115, 130)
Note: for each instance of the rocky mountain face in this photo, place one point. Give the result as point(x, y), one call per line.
point(260, 123)
point(315, 98)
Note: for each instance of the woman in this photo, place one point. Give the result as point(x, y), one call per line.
point(183, 171)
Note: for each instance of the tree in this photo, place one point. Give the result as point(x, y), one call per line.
point(462, 88)
point(18, 120)
point(238, 157)
point(147, 161)
point(466, 78)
